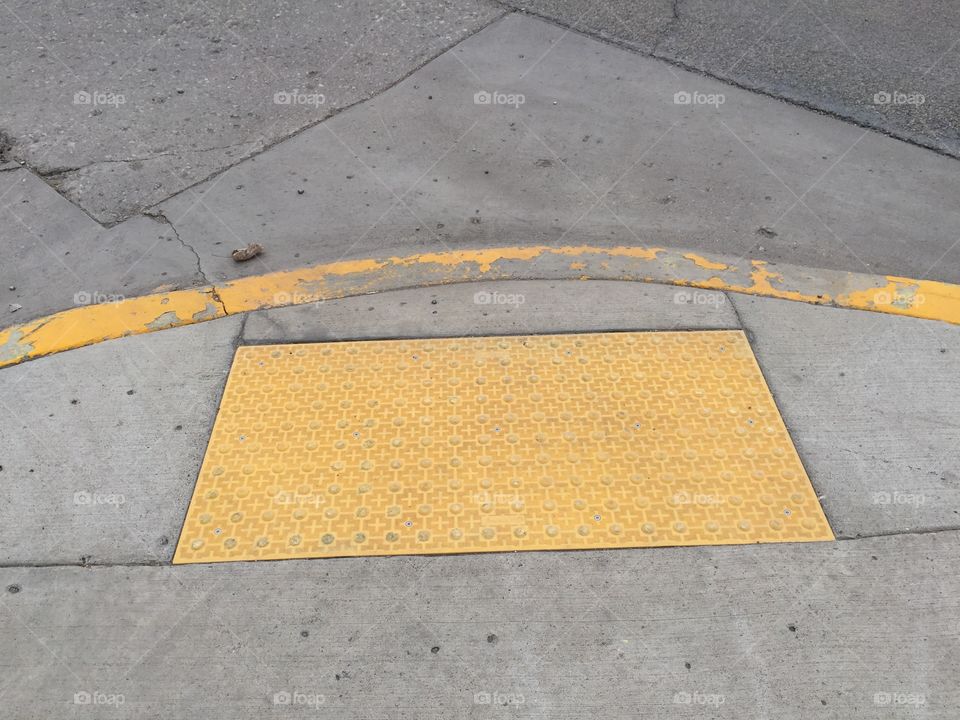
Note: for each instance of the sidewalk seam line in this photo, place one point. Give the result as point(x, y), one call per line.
point(168, 564)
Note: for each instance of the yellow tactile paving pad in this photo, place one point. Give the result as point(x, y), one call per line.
point(496, 444)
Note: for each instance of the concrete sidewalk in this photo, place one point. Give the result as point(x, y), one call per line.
point(103, 445)
point(829, 56)
point(177, 92)
point(130, 417)
point(856, 629)
point(599, 153)
point(119, 107)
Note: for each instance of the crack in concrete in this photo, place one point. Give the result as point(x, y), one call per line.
point(885, 461)
point(6, 146)
point(53, 172)
point(56, 171)
point(240, 332)
point(159, 215)
point(897, 533)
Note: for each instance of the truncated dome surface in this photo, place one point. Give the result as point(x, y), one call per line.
point(497, 444)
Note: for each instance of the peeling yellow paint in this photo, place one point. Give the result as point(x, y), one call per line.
point(903, 296)
point(93, 323)
point(483, 258)
point(762, 286)
point(208, 313)
point(304, 285)
point(13, 345)
point(638, 252)
point(90, 324)
point(162, 322)
point(703, 262)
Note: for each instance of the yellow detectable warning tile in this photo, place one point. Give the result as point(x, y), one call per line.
point(488, 444)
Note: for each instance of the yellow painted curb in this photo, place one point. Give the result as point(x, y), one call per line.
point(90, 324)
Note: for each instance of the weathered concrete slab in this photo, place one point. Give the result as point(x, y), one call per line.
point(598, 153)
point(100, 447)
point(871, 403)
point(883, 458)
point(55, 257)
point(37, 228)
point(176, 91)
point(108, 478)
point(855, 629)
point(505, 308)
point(831, 56)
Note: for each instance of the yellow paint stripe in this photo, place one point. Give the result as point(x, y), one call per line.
point(90, 324)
